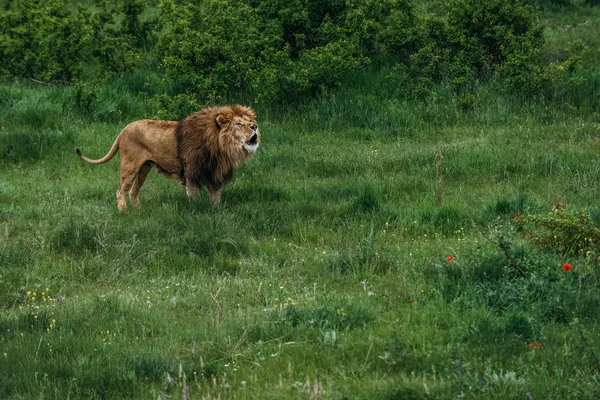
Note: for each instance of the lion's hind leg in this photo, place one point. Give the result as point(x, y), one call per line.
point(129, 175)
point(137, 184)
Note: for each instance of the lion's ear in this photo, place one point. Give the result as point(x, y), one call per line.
point(222, 120)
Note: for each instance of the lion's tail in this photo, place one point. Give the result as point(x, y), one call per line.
point(107, 157)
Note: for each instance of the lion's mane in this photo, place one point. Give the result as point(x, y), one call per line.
point(207, 155)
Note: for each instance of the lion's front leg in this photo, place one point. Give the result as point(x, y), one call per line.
point(215, 195)
point(191, 190)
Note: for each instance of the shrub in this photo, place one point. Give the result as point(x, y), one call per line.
point(488, 34)
point(120, 36)
point(291, 49)
point(479, 40)
point(564, 231)
point(542, 3)
point(47, 40)
point(43, 40)
point(215, 50)
point(176, 107)
point(280, 50)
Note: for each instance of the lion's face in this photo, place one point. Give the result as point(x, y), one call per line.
point(241, 131)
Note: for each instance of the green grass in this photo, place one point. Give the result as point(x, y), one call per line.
point(323, 273)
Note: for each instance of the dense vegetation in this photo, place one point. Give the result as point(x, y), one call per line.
point(420, 222)
point(282, 51)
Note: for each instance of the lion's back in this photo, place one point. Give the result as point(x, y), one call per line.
point(154, 135)
point(151, 140)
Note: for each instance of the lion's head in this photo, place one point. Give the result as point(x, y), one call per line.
point(212, 141)
point(238, 130)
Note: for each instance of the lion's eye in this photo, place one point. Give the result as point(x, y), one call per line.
point(239, 124)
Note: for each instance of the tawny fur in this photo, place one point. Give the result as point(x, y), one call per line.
point(200, 150)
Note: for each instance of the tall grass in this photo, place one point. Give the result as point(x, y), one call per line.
point(325, 272)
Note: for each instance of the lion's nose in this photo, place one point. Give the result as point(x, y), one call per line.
point(253, 127)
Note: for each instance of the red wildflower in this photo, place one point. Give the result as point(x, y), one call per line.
point(516, 216)
point(450, 259)
point(519, 218)
point(567, 267)
point(535, 344)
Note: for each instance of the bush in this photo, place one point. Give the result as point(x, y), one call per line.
point(290, 50)
point(479, 40)
point(175, 108)
point(119, 46)
point(215, 51)
point(48, 40)
point(43, 40)
point(565, 232)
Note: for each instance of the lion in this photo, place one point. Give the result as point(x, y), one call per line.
point(200, 150)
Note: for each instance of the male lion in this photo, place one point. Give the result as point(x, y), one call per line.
point(200, 150)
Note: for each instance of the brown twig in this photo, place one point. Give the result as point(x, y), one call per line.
point(439, 186)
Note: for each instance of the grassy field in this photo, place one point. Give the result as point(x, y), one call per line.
point(331, 269)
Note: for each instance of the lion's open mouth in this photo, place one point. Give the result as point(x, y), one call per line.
point(251, 147)
point(252, 144)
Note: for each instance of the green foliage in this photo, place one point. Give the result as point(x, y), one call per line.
point(543, 3)
point(478, 40)
point(522, 278)
point(217, 47)
point(48, 40)
point(176, 107)
point(43, 40)
point(487, 35)
point(567, 83)
point(119, 45)
point(207, 52)
point(565, 231)
point(84, 99)
point(289, 50)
